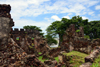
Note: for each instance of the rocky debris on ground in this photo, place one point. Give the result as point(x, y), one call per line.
point(93, 55)
point(13, 55)
point(88, 64)
point(90, 59)
point(54, 52)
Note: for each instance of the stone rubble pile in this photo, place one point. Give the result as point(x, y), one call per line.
point(15, 56)
point(90, 59)
point(54, 52)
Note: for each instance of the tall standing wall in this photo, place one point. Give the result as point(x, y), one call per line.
point(5, 25)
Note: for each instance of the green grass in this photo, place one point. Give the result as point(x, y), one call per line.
point(77, 58)
point(76, 53)
point(32, 38)
point(40, 58)
point(86, 36)
point(31, 65)
point(95, 65)
point(39, 53)
point(77, 30)
point(96, 62)
point(30, 46)
point(25, 32)
point(17, 38)
point(57, 59)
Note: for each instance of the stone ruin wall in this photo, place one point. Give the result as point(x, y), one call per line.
point(6, 22)
point(19, 35)
point(27, 37)
point(24, 36)
point(11, 54)
point(14, 55)
point(73, 40)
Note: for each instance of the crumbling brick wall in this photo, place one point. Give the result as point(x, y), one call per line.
point(12, 55)
point(27, 37)
point(77, 41)
point(5, 25)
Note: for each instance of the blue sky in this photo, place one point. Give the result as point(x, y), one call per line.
point(42, 13)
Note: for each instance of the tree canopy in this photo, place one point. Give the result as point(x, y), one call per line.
point(58, 27)
point(92, 29)
point(35, 28)
point(32, 27)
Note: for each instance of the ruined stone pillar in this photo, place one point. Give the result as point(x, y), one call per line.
point(81, 33)
point(5, 25)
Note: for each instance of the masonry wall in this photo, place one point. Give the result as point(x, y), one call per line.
point(73, 40)
point(5, 25)
point(29, 37)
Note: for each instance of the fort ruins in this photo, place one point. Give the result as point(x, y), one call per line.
point(20, 48)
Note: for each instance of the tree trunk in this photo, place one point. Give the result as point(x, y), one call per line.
point(60, 40)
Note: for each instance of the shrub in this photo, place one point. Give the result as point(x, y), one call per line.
point(77, 30)
point(86, 36)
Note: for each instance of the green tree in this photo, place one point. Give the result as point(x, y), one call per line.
point(50, 40)
point(59, 27)
point(93, 29)
point(54, 30)
point(35, 28)
point(32, 27)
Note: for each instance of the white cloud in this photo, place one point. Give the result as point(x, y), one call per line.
point(91, 13)
point(37, 7)
point(97, 7)
point(33, 8)
point(99, 15)
point(84, 18)
point(36, 2)
point(91, 3)
point(25, 7)
point(23, 22)
point(66, 17)
point(55, 17)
